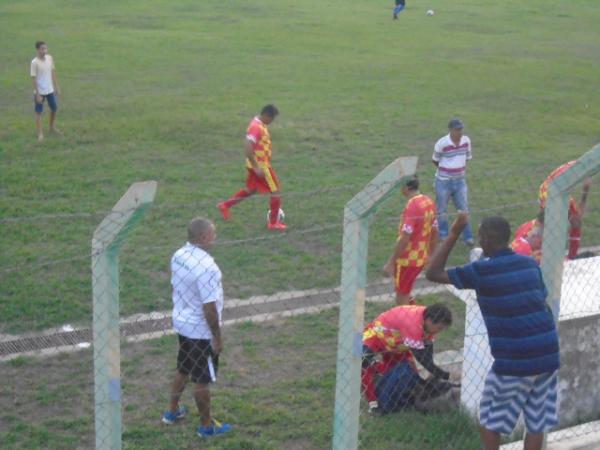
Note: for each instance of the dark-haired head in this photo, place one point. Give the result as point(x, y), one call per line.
point(38, 44)
point(268, 113)
point(410, 185)
point(494, 234)
point(437, 317)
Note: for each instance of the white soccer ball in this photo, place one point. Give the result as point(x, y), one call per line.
point(281, 217)
point(430, 12)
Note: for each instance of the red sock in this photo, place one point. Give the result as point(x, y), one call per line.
point(368, 383)
point(275, 204)
point(238, 197)
point(574, 241)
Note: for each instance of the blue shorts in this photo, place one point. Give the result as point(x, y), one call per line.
point(39, 107)
point(505, 397)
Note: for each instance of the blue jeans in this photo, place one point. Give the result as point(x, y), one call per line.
point(394, 389)
point(458, 191)
point(39, 107)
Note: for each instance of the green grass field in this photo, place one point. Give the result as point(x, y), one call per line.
point(163, 90)
point(276, 386)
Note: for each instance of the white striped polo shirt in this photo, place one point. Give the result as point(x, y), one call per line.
point(452, 159)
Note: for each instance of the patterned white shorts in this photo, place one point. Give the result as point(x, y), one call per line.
point(505, 397)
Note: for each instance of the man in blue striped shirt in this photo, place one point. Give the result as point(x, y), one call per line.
point(521, 331)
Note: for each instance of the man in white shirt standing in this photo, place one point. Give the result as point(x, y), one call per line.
point(45, 87)
point(450, 156)
point(197, 318)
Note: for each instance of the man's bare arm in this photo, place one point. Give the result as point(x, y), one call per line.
point(436, 271)
point(401, 244)
point(212, 318)
point(249, 152)
point(55, 82)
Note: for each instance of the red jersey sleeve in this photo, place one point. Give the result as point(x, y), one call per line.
point(410, 217)
point(254, 133)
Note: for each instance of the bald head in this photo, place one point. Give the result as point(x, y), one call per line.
point(201, 232)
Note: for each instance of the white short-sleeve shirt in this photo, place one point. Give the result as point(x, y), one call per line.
point(196, 280)
point(42, 69)
point(452, 159)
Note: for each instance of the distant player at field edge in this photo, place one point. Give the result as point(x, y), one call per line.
point(400, 5)
point(261, 175)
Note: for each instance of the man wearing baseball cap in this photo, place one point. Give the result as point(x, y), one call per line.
point(450, 156)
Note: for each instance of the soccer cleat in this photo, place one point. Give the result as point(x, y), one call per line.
point(215, 429)
point(224, 210)
point(395, 16)
point(277, 226)
point(170, 418)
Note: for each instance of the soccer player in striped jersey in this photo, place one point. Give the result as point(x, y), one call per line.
point(261, 176)
point(417, 236)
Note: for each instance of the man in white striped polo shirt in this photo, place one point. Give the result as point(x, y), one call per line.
point(450, 156)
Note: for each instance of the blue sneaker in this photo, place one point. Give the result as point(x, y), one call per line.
point(170, 418)
point(215, 429)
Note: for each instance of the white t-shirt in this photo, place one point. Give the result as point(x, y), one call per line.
point(196, 280)
point(42, 69)
point(452, 159)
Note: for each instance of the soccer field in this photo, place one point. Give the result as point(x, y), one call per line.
point(164, 90)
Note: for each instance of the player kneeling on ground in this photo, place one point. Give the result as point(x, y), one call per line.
point(391, 342)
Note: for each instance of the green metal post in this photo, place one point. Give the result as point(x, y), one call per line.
point(352, 305)
point(107, 240)
point(556, 223)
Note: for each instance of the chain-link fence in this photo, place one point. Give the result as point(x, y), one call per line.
point(499, 306)
point(276, 374)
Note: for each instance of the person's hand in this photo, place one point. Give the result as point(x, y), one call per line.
point(217, 344)
point(38, 98)
point(459, 224)
point(388, 269)
point(259, 172)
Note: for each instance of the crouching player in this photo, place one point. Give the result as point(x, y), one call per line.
point(391, 342)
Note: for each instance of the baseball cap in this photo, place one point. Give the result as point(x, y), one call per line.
point(455, 123)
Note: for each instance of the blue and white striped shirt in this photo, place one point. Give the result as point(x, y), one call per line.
point(512, 297)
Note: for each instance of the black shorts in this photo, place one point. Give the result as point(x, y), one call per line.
point(197, 359)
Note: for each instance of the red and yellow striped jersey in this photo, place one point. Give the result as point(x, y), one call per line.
point(418, 220)
point(543, 195)
point(397, 330)
point(258, 134)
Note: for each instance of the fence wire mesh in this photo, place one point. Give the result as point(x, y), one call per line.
point(279, 293)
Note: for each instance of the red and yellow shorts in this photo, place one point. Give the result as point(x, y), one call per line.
point(405, 278)
point(264, 185)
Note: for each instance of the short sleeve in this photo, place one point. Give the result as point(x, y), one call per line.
point(33, 69)
point(437, 151)
point(464, 277)
point(209, 285)
point(409, 219)
point(253, 134)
